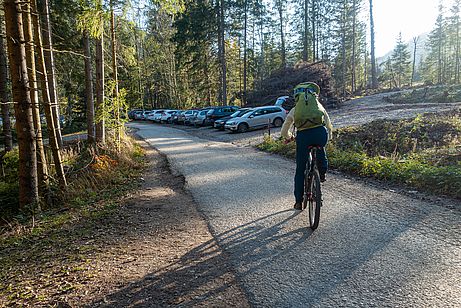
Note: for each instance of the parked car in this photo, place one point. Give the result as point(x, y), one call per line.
point(132, 112)
point(181, 116)
point(145, 114)
point(200, 117)
point(175, 116)
point(219, 112)
point(189, 116)
point(155, 115)
point(257, 118)
point(138, 115)
point(219, 123)
point(166, 115)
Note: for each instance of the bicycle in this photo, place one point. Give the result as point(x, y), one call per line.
point(312, 190)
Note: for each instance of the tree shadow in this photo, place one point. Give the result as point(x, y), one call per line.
point(202, 277)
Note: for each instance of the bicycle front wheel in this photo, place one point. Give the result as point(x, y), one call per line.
point(314, 200)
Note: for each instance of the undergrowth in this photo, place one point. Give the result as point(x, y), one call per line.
point(95, 176)
point(47, 255)
point(423, 152)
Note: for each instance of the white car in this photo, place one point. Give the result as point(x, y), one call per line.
point(155, 115)
point(145, 114)
point(259, 117)
point(166, 115)
point(189, 116)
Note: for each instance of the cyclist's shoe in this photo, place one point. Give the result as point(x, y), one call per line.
point(298, 206)
point(322, 177)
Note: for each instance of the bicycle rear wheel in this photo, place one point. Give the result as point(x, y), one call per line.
point(314, 200)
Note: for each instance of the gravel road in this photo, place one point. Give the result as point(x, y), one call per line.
point(373, 248)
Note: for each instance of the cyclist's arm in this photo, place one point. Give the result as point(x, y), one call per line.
point(327, 120)
point(328, 125)
point(287, 124)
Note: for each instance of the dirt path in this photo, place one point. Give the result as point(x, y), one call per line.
point(155, 250)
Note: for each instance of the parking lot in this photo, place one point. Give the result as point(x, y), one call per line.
point(250, 137)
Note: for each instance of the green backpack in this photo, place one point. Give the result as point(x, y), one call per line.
point(307, 108)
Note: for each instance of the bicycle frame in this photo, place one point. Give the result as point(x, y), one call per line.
point(312, 192)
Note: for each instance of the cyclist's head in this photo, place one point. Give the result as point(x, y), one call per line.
point(310, 87)
point(313, 87)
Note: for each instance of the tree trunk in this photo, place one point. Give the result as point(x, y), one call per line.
point(245, 69)
point(50, 120)
point(282, 34)
point(314, 31)
point(353, 68)
point(115, 76)
point(100, 125)
point(50, 68)
point(8, 137)
point(374, 77)
point(89, 89)
point(28, 189)
point(305, 34)
point(343, 49)
point(415, 43)
point(223, 53)
point(42, 168)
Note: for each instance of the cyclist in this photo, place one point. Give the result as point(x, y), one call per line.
point(318, 134)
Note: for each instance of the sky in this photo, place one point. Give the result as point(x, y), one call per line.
point(411, 17)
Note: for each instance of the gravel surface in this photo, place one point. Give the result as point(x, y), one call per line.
point(374, 247)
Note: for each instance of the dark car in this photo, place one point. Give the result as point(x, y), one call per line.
point(219, 123)
point(132, 112)
point(218, 113)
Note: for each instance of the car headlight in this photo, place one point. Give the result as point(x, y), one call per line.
point(230, 123)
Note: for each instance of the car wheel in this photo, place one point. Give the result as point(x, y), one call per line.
point(243, 127)
point(278, 122)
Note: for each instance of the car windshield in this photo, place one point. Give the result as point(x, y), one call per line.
point(239, 113)
point(246, 115)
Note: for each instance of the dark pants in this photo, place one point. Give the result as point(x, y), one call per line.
point(305, 138)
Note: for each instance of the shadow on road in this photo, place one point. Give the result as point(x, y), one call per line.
point(202, 265)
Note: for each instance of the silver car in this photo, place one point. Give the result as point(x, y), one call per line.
point(259, 117)
point(200, 117)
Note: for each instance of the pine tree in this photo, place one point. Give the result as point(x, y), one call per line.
point(401, 63)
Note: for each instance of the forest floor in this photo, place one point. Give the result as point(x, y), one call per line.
point(153, 250)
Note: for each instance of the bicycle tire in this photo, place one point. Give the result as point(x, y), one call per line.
point(307, 179)
point(315, 200)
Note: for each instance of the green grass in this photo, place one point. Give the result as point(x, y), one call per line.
point(423, 152)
